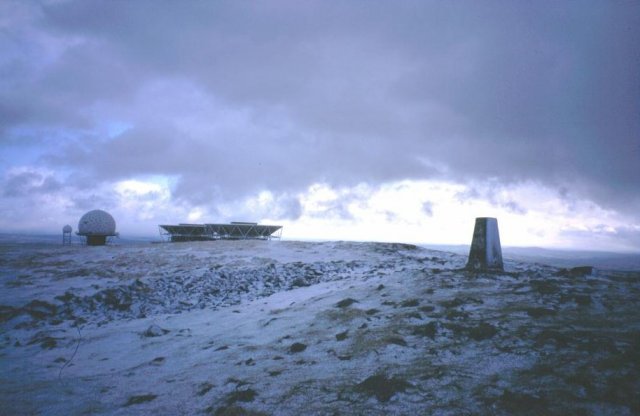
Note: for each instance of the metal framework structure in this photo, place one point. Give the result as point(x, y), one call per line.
point(96, 239)
point(211, 232)
point(66, 235)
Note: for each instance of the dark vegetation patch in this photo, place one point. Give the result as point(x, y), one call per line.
point(427, 330)
point(118, 299)
point(579, 271)
point(8, 312)
point(555, 337)
point(410, 303)
point(459, 301)
point(396, 340)
point(427, 308)
point(39, 309)
point(414, 315)
point(454, 314)
point(45, 340)
point(143, 398)
point(372, 311)
point(205, 388)
point(482, 331)
point(297, 347)
point(479, 332)
point(522, 403)
point(545, 287)
point(540, 312)
point(342, 335)
point(381, 387)
point(247, 395)
point(233, 411)
point(582, 300)
point(346, 302)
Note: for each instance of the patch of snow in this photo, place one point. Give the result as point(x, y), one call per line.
point(290, 327)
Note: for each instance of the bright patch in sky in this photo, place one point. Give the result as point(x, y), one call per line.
point(444, 213)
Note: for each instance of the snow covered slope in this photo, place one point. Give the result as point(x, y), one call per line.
point(281, 327)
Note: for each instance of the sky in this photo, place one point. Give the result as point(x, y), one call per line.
point(341, 120)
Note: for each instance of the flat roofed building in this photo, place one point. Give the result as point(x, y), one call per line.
point(210, 232)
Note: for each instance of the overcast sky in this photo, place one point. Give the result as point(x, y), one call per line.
point(367, 120)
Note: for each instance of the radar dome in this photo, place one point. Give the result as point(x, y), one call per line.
point(97, 222)
point(66, 229)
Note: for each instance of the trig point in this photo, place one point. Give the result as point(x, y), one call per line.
point(485, 253)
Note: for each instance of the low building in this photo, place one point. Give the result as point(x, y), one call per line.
point(212, 232)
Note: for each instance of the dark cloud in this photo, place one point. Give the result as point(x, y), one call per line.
point(514, 207)
point(491, 192)
point(232, 98)
point(30, 183)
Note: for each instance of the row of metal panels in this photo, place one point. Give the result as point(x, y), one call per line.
point(186, 232)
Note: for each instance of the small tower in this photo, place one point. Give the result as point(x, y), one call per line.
point(486, 252)
point(66, 235)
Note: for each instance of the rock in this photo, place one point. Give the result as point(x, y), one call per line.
point(299, 282)
point(579, 271)
point(154, 331)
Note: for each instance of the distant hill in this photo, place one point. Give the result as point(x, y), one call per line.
point(559, 258)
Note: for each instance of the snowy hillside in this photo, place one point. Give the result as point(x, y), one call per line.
point(288, 328)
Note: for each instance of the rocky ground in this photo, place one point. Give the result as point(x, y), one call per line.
point(252, 327)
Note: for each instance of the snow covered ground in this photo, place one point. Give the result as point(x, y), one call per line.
point(288, 328)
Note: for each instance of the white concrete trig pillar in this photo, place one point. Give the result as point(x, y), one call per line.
point(485, 253)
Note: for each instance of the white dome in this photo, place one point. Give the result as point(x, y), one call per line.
point(97, 222)
point(66, 229)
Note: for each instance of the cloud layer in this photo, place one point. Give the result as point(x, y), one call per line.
point(230, 99)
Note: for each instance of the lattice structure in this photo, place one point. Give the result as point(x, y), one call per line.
point(66, 235)
point(231, 231)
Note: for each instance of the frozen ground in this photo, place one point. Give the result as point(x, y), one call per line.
point(288, 328)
